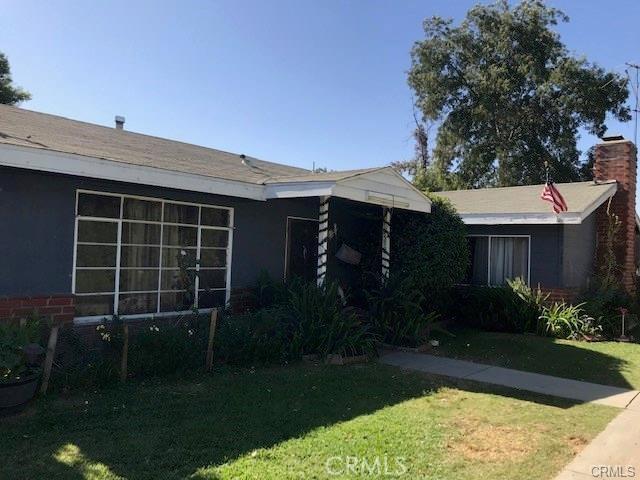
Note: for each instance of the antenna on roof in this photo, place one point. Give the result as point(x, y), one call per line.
point(119, 122)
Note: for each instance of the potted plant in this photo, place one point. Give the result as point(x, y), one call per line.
point(20, 359)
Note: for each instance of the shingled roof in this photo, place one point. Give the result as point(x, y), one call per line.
point(25, 128)
point(490, 205)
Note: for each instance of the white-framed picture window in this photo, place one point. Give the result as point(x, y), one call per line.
point(129, 251)
point(498, 258)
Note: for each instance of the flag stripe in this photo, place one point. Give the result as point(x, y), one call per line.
point(551, 194)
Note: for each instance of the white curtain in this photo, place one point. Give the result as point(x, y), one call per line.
point(509, 259)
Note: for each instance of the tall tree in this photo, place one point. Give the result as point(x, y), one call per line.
point(508, 96)
point(9, 93)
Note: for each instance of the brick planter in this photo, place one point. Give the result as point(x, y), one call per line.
point(60, 308)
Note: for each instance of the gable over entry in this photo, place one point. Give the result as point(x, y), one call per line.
point(382, 187)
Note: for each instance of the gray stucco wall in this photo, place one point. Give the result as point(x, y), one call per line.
point(37, 214)
point(579, 245)
point(546, 249)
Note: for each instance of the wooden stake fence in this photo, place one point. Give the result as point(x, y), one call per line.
point(212, 331)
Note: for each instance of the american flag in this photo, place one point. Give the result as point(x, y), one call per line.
point(551, 194)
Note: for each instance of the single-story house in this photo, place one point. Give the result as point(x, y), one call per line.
point(514, 233)
point(101, 221)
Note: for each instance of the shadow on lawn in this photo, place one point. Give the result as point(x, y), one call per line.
point(165, 429)
point(536, 354)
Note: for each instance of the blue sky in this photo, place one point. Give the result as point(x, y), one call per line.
point(291, 81)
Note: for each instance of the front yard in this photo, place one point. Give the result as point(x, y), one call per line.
point(608, 363)
point(303, 421)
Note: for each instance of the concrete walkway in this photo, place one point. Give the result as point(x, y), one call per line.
point(532, 382)
point(614, 453)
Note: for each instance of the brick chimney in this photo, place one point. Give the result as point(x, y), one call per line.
point(615, 159)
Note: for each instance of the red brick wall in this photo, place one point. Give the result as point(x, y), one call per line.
point(59, 308)
point(567, 295)
point(616, 160)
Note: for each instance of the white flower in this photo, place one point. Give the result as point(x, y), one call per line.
point(183, 253)
point(190, 332)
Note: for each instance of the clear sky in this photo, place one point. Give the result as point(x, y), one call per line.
point(290, 81)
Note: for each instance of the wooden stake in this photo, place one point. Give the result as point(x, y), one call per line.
point(212, 331)
point(48, 361)
point(125, 353)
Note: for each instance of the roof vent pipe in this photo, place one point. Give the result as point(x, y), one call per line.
point(119, 122)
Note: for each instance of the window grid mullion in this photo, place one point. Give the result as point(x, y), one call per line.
point(116, 295)
point(197, 279)
point(160, 261)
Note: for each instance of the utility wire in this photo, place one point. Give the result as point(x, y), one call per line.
point(636, 110)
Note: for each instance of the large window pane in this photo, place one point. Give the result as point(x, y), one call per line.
point(97, 232)
point(214, 217)
point(90, 205)
point(141, 233)
point(174, 280)
point(95, 281)
point(136, 209)
point(171, 257)
point(509, 259)
point(96, 256)
point(176, 213)
point(214, 238)
point(137, 303)
point(175, 301)
point(180, 236)
point(138, 280)
point(91, 305)
point(478, 273)
point(213, 258)
point(138, 256)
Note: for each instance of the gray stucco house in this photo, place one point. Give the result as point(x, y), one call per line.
point(514, 233)
point(98, 221)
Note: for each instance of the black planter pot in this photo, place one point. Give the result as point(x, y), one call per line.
point(19, 392)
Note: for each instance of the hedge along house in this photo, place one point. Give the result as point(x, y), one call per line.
point(514, 233)
point(101, 221)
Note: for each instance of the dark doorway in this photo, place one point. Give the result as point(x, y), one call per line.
point(302, 249)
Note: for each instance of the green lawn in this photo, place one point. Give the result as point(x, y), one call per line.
point(609, 363)
point(295, 422)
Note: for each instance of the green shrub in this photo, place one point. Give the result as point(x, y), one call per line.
point(397, 314)
point(514, 308)
point(251, 337)
point(302, 319)
point(567, 321)
point(13, 339)
point(167, 347)
point(603, 301)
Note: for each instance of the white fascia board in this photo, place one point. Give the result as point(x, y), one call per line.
point(337, 189)
point(521, 219)
point(298, 189)
point(378, 197)
point(79, 165)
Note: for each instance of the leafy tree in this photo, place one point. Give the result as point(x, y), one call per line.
point(9, 93)
point(508, 96)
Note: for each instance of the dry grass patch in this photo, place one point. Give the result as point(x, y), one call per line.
point(481, 441)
